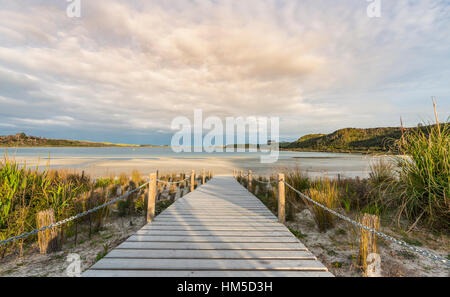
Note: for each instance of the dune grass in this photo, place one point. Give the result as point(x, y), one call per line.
point(424, 176)
point(325, 192)
point(26, 191)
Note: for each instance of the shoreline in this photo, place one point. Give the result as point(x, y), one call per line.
point(356, 152)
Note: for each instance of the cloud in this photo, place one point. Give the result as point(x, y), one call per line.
point(131, 67)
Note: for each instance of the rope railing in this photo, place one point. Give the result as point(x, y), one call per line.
point(172, 183)
point(422, 252)
point(263, 182)
point(150, 210)
point(379, 234)
point(82, 214)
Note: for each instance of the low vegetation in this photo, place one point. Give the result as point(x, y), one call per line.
point(371, 140)
point(423, 185)
point(26, 191)
point(23, 140)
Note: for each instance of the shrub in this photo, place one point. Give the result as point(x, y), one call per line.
point(424, 176)
point(323, 191)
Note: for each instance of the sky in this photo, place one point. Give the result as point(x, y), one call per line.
point(125, 69)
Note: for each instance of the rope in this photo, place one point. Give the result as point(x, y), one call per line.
point(263, 182)
point(34, 231)
point(172, 183)
point(382, 235)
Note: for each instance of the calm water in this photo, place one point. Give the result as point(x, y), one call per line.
point(313, 162)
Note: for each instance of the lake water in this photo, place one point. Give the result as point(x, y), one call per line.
point(115, 160)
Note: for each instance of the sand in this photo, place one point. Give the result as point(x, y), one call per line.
point(338, 249)
point(96, 167)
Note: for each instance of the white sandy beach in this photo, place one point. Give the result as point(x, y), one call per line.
point(351, 165)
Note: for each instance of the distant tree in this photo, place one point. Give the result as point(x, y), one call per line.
point(21, 135)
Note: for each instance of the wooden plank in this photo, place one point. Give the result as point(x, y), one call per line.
point(211, 223)
point(214, 233)
point(158, 238)
point(219, 219)
point(214, 228)
point(208, 264)
point(211, 245)
point(204, 273)
point(216, 215)
point(210, 254)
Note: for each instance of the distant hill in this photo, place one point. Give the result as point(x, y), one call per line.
point(21, 139)
point(350, 140)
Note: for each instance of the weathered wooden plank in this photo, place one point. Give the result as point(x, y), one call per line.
point(204, 273)
point(219, 223)
point(208, 264)
point(218, 218)
point(158, 238)
point(231, 215)
point(229, 210)
point(211, 254)
point(211, 245)
point(214, 228)
point(281, 233)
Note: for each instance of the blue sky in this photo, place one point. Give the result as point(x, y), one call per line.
point(125, 69)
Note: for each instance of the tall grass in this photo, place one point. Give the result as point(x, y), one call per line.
point(300, 181)
point(26, 191)
point(424, 176)
point(381, 172)
point(325, 192)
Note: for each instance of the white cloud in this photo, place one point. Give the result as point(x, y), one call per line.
point(136, 65)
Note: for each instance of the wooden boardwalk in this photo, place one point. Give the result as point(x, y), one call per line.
point(219, 230)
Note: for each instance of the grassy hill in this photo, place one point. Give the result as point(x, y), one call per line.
point(23, 140)
point(350, 140)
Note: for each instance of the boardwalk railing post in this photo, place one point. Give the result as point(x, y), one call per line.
point(281, 199)
point(368, 246)
point(151, 200)
point(192, 180)
point(48, 239)
point(250, 180)
point(203, 176)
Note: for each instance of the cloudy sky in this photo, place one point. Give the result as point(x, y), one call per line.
point(124, 69)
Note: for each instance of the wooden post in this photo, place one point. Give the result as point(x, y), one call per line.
point(151, 200)
point(368, 244)
point(281, 199)
point(48, 239)
point(192, 180)
point(250, 180)
point(203, 176)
